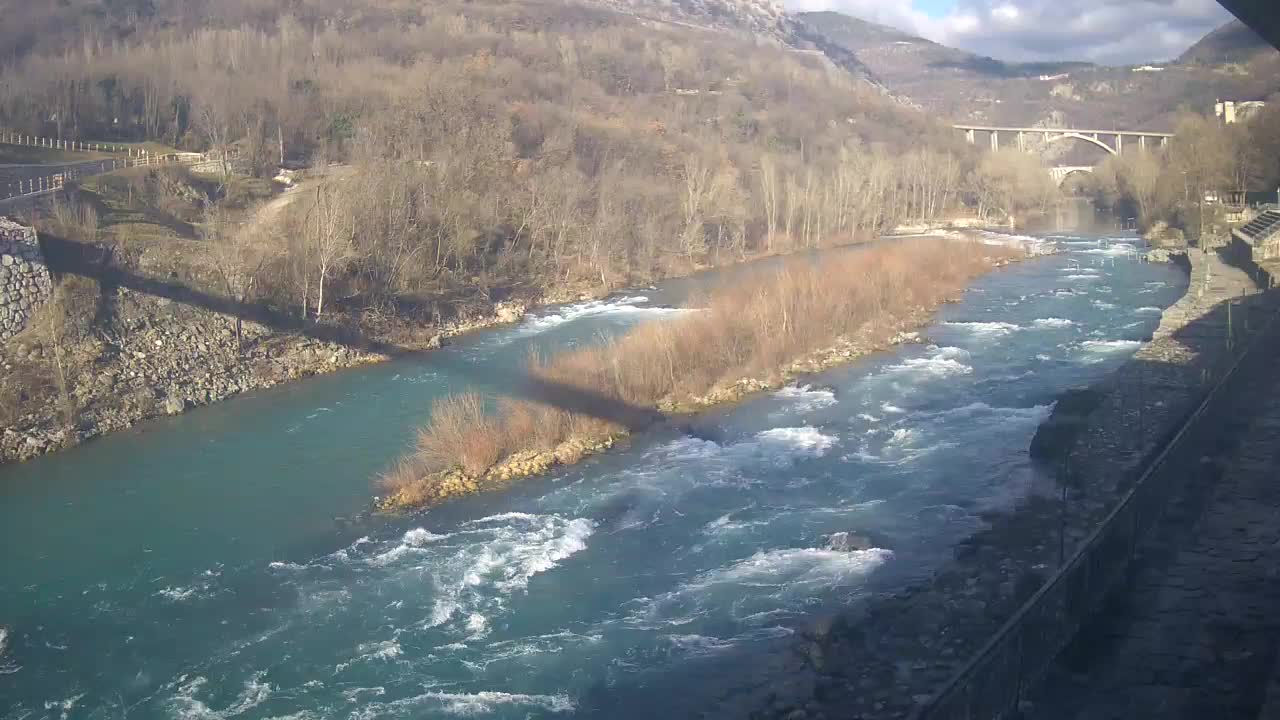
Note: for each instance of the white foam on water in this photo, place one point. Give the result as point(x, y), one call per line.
point(943, 362)
point(64, 706)
point(902, 436)
point(629, 305)
point(796, 569)
point(384, 650)
point(505, 517)
point(1149, 310)
point(1033, 245)
point(469, 704)
point(698, 645)
point(1102, 305)
point(549, 643)
point(1043, 358)
point(7, 666)
point(1003, 414)
point(1114, 250)
point(806, 398)
point(1054, 322)
point(1105, 346)
point(1083, 277)
point(768, 581)
point(419, 537)
point(177, 594)
point(471, 577)
point(725, 525)
point(868, 418)
point(477, 624)
point(793, 441)
point(891, 409)
point(724, 464)
point(986, 329)
point(187, 706)
point(463, 705)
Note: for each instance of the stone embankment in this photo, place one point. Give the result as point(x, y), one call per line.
point(1192, 634)
point(150, 356)
point(25, 284)
point(886, 659)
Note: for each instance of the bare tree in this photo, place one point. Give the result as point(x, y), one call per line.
point(331, 232)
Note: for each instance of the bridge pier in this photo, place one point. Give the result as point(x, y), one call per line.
point(1050, 135)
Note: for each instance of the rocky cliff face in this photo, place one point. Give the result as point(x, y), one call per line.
point(765, 18)
point(24, 280)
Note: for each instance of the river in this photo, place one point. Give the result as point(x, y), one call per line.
point(220, 564)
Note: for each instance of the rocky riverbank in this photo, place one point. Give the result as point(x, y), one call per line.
point(154, 357)
point(888, 658)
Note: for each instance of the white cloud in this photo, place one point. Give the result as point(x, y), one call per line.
point(1104, 31)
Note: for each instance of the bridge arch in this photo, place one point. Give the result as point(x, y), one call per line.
point(1060, 174)
point(1086, 138)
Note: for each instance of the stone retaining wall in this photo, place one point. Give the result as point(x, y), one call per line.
point(24, 280)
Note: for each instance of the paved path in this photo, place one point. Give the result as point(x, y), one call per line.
point(1196, 634)
point(1212, 281)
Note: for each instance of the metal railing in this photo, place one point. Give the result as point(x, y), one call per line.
point(9, 137)
point(56, 181)
point(993, 683)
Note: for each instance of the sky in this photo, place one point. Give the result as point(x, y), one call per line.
point(1114, 32)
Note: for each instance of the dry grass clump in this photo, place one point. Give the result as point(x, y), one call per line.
point(860, 297)
point(461, 434)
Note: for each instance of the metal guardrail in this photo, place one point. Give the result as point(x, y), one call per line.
point(54, 182)
point(993, 683)
point(9, 137)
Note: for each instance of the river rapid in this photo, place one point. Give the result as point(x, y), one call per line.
point(220, 564)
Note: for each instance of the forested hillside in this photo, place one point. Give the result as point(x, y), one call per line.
point(552, 141)
point(457, 155)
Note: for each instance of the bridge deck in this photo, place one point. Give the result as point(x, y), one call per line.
point(1126, 133)
point(1196, 634)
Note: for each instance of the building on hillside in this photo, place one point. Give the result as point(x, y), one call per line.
point(1231, 111)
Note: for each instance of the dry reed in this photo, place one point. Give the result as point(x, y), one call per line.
point(857, 298)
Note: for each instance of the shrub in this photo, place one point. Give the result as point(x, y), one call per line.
point(745, 330)
point(460, 434)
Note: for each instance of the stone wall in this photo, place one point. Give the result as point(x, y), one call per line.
point(24, 280)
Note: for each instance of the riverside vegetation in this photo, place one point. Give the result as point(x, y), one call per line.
point(808, 315)
point(469, 155)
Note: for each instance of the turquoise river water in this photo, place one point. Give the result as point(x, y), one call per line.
point(221, 564)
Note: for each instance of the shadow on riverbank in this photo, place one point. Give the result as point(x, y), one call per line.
point(65, 257)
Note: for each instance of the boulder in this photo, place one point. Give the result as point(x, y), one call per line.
point(848, 542)
point(174, 405)
point(1056, 435)
point(510, 312)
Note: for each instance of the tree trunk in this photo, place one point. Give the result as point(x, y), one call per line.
point(320, 292)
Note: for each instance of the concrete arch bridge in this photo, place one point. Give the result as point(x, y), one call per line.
point(1111, 141)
